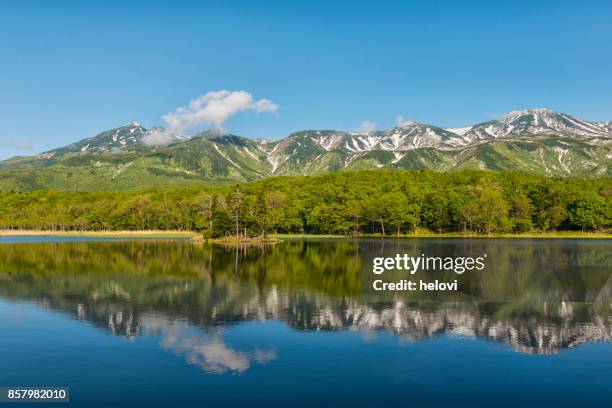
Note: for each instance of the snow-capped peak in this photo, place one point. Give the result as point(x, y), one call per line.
point(536, 111)
point(536, 122)
point(108, 141)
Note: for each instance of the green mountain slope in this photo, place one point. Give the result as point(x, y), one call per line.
point(538, 141)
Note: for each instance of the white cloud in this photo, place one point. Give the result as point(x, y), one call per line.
point(16, 143)
point(159, 137)
point(367, 127)
point(210, 109)
point(401, 122)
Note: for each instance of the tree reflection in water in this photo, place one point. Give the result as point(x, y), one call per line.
point(537, 297)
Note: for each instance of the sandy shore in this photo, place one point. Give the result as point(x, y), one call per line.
point(144, 233)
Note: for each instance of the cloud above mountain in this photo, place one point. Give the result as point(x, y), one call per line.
point(367, 127)
point(212, 109)
point(401, 122)
point(16, 143)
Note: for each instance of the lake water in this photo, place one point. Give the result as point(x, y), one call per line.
point(171, 323)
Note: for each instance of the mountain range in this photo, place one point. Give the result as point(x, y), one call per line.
point(534, 140)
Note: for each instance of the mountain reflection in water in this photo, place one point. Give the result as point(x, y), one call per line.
point(539, 297)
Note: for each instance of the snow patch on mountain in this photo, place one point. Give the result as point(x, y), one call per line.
point(562, 154)
point(108, 141)
point(398, 157)
point(250, 153)
point(224, 155)
point(328, 142)
point(459, 131)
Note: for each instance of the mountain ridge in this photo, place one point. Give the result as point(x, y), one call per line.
point(533, 140)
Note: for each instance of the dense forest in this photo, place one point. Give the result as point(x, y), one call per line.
point(388, 202)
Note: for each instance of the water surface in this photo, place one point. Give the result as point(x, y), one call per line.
point(153, 323)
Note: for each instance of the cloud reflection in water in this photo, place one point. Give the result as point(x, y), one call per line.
point(206, 350)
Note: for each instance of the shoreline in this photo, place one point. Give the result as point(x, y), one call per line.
point(111, 234)
point(542, 235)
point(276, 237)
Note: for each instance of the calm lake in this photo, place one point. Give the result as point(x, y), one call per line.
point(171, 323)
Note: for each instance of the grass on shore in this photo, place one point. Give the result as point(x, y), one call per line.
point(276, 237)
point(430, 234)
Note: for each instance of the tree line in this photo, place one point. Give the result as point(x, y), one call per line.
point(387, 202)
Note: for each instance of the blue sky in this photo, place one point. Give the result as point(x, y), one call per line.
point(72, 69)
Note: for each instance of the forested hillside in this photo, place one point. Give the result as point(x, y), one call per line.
point(380, 201)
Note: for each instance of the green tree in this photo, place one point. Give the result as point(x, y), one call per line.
point(520, 212)
point(589, 211)
point(487, 210)
point(235, 200)
point(222, 222)
point(549, 199)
